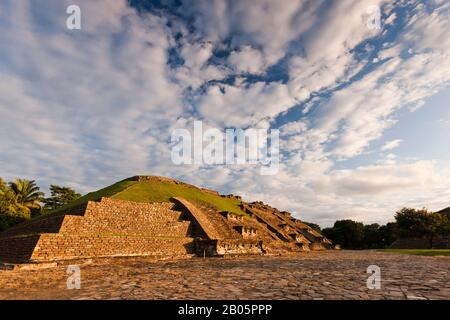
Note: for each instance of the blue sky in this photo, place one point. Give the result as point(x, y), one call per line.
point(363, 113)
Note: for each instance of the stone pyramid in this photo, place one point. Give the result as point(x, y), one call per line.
point(125, 220)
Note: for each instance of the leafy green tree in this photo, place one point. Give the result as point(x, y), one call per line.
point(388, 234)
point(27, 194)
point(8, 201)
point(60, 196)
point(421, 224)
point(11, 212)
point(372, 237)
point(347, 233)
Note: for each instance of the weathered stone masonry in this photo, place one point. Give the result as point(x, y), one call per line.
point(112, 227)
point(107, 228)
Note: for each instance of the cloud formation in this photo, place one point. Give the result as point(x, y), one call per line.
point(86, 108)
point(391, 145)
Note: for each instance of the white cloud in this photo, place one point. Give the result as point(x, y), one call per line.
point(195, 70)
point(247, 59)
point(81, 111)
point(294, 127)
point(242, 106)
point(391, 145)
point(90, 107)
point(391, 19)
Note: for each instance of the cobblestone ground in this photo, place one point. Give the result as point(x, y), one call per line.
point(319, 275)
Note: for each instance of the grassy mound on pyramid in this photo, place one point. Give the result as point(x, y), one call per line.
point(158, 189)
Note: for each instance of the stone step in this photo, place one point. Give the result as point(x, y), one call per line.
point(52, 247)
point(109, 216)
point(104, 224)
point(42, 225)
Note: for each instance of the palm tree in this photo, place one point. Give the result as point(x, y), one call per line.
point(27, 193)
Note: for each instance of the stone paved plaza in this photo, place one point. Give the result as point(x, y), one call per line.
point(316, 275)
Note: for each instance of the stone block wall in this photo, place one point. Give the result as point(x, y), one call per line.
point(105, 228)
point(237, 247)
point(111, 227)
point(17, 249)
point(317, 246)
point(44, 224)
point(296, 235)
point(65, 246)
point(119, 217)
point(48, 225)
point(228, 247)
point(211, 230)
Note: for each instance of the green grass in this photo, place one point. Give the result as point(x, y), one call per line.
point(156, 191)
point(93, 196)
point(420, 252)
point(165, 191)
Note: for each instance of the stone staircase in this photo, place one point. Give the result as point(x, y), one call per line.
point(111, 227)
point(105, 228)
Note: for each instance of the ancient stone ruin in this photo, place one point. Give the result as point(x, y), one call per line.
point(110, 227)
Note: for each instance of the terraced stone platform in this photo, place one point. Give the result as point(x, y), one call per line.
point(105, 228)
point(125, 220)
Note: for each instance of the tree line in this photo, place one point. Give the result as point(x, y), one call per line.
point(22, 200)
point(409, 223)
